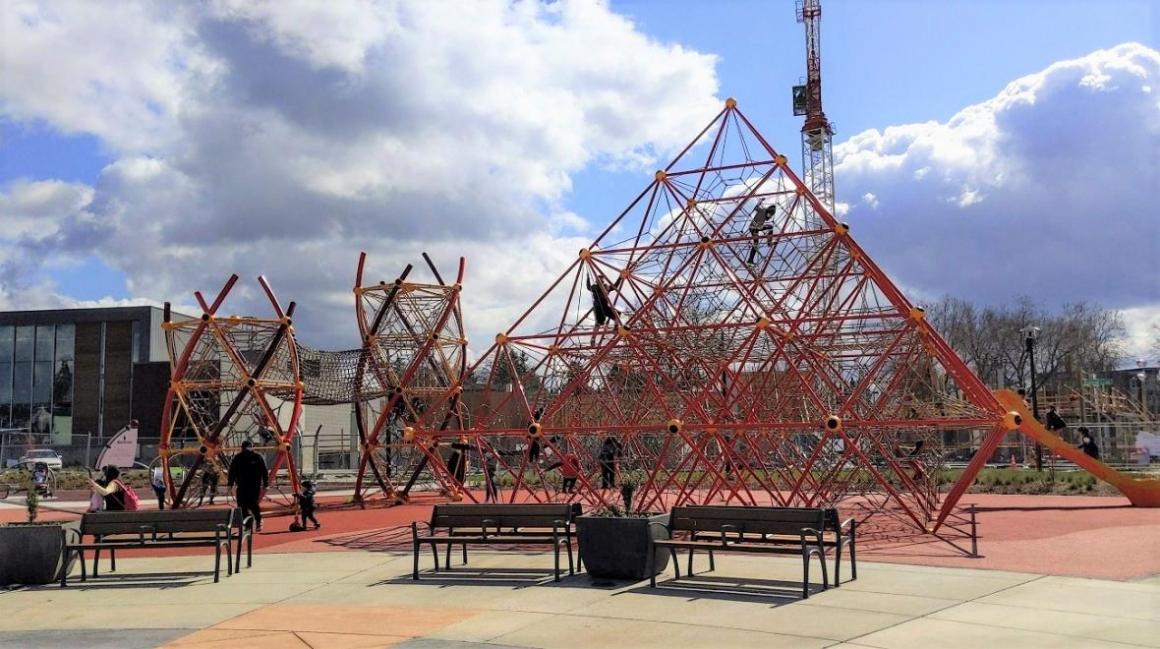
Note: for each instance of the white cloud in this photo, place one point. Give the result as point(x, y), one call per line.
point(283, 137)
point(1047, 189)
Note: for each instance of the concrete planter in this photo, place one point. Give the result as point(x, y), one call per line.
point(618, 548)
point(30, 554)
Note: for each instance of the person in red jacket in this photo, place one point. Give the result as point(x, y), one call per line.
point(569, 471)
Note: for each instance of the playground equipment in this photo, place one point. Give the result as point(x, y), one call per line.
point(710, 356)
point(243, 378)
point(414, 349)
point(234, 379)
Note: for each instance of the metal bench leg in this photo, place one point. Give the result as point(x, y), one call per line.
point(556, 552)
point(415, 556)
point(690, 570)
point(825, 577)
point(652, 566)
point(464, 554)
point(448, 561)
point(64, 553)
point(805, 574)
point(96, 560)
point(676, 562)
point(435, 554)
point(853, 559)
point(571, 569)
point(81, 560)
point(838, 565)
point(217, 564)
point(112, 560)
point(712, 564)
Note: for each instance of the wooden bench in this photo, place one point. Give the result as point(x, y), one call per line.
point(179, 528)
point(834, 535)
point(500, 524)
point(746, 529)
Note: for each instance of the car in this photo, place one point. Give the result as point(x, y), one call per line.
point(46, 455)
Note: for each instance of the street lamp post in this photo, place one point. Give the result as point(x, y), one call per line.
point(1140, 376)
point(1030, 334)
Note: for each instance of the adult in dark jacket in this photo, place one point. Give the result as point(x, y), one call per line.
point(249, 475)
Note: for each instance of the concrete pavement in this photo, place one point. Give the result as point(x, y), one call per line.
point(506, 599)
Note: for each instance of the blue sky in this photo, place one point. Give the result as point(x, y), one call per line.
point(144, 153)
point(883, 63)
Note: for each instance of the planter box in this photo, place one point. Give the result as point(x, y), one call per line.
point(618, 548)
point(30, 554)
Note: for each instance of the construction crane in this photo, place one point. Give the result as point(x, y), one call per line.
point(817, 133)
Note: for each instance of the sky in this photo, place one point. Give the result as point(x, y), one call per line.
point(984, 150)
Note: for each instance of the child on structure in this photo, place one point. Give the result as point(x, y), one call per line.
point(760, 225)
point(569, 472)
point(306, 504)
point(601, 303)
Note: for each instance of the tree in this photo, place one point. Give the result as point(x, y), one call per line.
point(1078, 339)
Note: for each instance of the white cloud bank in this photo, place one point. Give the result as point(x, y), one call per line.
point(283, 137)
point(1048, 190)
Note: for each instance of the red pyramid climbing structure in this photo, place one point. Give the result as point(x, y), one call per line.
point(708, 357)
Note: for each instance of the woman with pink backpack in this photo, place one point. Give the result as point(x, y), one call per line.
point(117, 495)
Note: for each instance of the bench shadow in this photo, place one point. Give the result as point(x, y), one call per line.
point(159, 580)
point(468, 576)
point(775, 592)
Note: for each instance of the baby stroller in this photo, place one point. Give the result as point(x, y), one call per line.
point(43, 480)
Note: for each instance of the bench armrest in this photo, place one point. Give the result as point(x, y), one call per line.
point(80, 537)
point(813, 532)
point(483, 526)
point(853, 524)
point(664, 526)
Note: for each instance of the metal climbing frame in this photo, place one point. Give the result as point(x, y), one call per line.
point(414, 352)
point(738, 361)
point(233, 379)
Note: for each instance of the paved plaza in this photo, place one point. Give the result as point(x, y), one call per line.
point(507, 599)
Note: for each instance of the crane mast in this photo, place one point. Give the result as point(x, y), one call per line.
point(817, 133)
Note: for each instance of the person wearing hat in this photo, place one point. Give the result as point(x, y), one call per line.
point(249, 476)
point(1087, 444)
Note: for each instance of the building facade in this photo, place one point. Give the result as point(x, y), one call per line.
point(82, 372)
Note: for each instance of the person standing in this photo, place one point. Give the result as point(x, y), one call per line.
point(491, 464)
point(157, 481)
point(610, 449)
point(306, 503)
point(209, 482)
point(248, 474)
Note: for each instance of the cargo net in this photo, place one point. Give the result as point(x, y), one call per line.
point(332, 378)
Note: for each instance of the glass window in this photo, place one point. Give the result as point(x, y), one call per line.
point(22, 383)
point(42, 382)
point(24, 337)
point(45, 334)
point(5, 383)
point(6, 337)
point(65, 342)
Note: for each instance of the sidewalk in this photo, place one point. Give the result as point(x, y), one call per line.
point(507, 599)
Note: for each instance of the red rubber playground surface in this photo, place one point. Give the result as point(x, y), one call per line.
point(1080, 536)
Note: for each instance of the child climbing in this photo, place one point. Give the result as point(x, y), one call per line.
point(601, 302)
point(760, 225)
